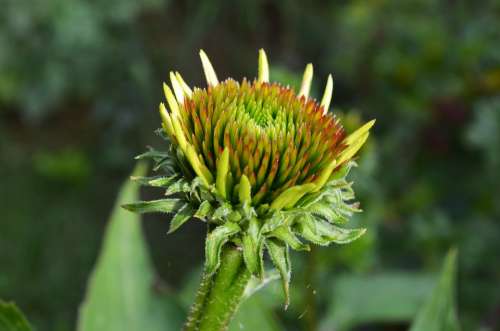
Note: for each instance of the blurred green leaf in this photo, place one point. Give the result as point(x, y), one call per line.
point(255, 313)
point(439, 313)
point(120, 294)
point(11, 318)
point(380, 298)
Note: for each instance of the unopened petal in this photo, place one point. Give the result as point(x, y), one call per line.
point(327, 95)
point(305, 87)
point(263, 75)
point(208, 69)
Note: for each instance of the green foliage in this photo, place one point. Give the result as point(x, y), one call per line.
point(439, 312)
point(11, 318)
point(59, 48)
point(388, 297)
point(121, 293)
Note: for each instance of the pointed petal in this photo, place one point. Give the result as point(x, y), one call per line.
point(350, 151)
point(222, 170)
point(179, 95)
point(306, 81)
point(185, 87)
point(172, 103)
point(359, 132)
point(289, 197)
point(167, 122)
point(199, 168)
point(179, 133)
point(208, 69)
point(263, 75)
point(324, 175)
point(327, 96)
point(245, 190)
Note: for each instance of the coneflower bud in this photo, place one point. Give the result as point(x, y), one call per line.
point(261, 164)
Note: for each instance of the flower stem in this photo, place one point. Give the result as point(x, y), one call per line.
point(220, 294)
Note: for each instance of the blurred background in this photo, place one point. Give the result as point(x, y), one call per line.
point(80, 82)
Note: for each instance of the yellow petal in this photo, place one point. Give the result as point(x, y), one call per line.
point(353, 148)
point(222, 170)
point(324, 175)
point(208, 69)
point(199, 168)
point(327, 96)
point(306, 81)
point(263, 75)
point(167, 122)
point(244, 190)
point(185, 87)
point(172, 103)
point(179, 133)
point(179, 94)
point(289, 197)
point(356, 134)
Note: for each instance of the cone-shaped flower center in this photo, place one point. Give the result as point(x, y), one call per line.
point(274, 137)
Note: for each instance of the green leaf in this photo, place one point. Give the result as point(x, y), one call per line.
point(386, 297)
point(214, 242)
point(256, 313)
point(120, 294)
point(155, 206)
point(281, 260)
point(182, 216)
point(11, 318)
point(439, 312)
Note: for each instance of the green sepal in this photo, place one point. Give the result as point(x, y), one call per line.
point(222, 171)
point(204, 210)
point(276, 220)
point(179, 186)
point(152, 154)
point(323, 233)
point(288, 198)
point(213, 245)
point(222, 211)
point(182, 216)
point(253, 248)
point(157, 181)
point(286, 235)
point(155, 206)
point(278, 252)
point(328, 213)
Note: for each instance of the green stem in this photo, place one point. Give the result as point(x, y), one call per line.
point(219, 295)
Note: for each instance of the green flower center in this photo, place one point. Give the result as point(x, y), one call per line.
point(275, 138)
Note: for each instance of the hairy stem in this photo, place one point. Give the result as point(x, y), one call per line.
point(219, 295)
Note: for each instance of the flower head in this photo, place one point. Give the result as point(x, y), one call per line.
point(261, 164)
